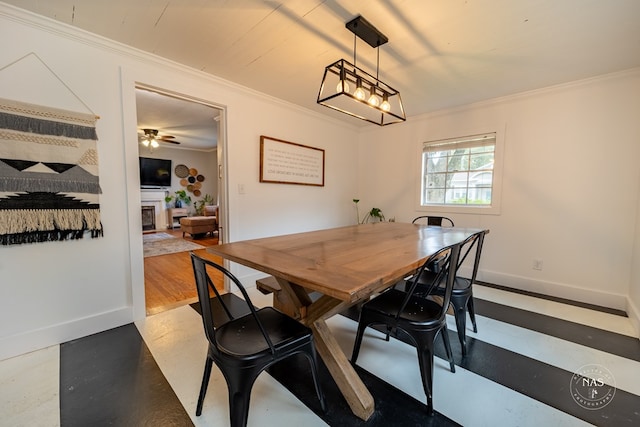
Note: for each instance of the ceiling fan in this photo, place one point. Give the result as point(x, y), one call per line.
point(151, 138)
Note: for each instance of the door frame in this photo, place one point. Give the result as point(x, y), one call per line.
point(137, 296)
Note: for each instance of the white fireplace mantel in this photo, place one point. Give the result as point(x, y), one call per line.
point(155, 198)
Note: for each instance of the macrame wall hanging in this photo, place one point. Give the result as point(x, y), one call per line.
point(49, 188)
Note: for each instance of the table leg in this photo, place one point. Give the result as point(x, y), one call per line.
point(348, 381)
point(313, 314)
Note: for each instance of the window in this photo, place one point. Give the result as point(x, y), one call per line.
point(459, 172)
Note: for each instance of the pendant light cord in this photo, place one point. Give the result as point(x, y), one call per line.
point(354, 50)
point(378, 64)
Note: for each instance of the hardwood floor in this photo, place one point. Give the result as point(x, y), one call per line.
point(168, 279)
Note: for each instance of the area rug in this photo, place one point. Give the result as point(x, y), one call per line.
point(155, 244)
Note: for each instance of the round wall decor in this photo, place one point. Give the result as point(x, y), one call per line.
point(181, 171)
point(191, 179)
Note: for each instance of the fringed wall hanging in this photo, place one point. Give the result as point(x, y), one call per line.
point(49, 188)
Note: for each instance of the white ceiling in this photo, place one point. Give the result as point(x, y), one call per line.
point(192, 124)
point(440, 54)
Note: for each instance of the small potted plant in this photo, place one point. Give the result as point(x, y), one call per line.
point(374, 215)
point(181, 198)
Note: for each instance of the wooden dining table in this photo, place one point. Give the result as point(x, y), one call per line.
point(344, 266)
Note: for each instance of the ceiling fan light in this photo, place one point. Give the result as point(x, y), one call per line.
point(145, 142)
point(154, 143)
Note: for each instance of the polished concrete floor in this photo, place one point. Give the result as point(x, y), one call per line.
point(526, 366)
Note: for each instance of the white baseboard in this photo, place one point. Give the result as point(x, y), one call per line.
point(29, 341)
point(554, 289)
point(634, 315)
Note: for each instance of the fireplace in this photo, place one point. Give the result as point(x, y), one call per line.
point(148, 218)
point(153, 200)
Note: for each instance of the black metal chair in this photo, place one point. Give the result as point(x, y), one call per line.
point(435, 221)
point(244, 346)
point(462, 293)
point(421, 319)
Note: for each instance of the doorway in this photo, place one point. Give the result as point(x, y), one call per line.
point(182, 132)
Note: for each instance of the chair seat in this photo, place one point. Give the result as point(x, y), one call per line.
point(418, 310)
point(243, 337)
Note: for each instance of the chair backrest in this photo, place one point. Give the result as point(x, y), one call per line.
point(475, 240)
point(434, 221)
point(446, 258)
point(204, 283)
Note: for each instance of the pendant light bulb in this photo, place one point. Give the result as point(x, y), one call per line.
point(343, 86)
point(373, 100)
point(385, 106)
point(359, 92)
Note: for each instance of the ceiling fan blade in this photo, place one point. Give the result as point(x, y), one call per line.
point(150, 134)
point(167, 138)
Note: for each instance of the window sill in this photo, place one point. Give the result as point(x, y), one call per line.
point(473, 210)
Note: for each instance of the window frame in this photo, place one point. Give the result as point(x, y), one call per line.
point(496, 189)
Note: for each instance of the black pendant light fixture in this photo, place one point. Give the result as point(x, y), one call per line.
point(353, 91)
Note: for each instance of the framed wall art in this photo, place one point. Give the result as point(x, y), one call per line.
point(284, 162)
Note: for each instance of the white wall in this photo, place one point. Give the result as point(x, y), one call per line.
point(58, 291)
point(634, 286)
point(570, 185)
